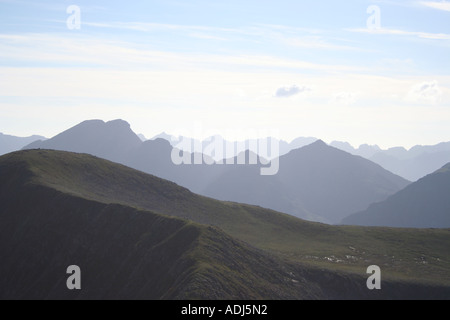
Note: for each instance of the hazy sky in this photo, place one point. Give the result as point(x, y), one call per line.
point(329, 69)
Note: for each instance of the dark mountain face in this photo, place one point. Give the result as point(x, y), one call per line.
point(124, 253)
point(331, 181)
point(59, 209)
point(423, 204)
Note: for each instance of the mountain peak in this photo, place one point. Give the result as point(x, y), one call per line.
point(118, 123)
point(165, 136)
point(111, 140)
point(160, 142)
point(319, 143)
point(91, 122)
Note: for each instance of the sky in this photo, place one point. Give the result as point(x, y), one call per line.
point(375, 72)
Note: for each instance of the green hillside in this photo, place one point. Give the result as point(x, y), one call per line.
point(247, 243)
point(126, 253)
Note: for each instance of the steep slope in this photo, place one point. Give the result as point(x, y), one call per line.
point(128, 254)
point(63, 207)
point(124, 253)
point(423, 204)
point(11, 143)
point(316, 182)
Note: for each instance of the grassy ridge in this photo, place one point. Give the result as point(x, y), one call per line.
point(126, 253)
point(403, 254)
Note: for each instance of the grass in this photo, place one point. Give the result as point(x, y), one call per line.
point(415, 255)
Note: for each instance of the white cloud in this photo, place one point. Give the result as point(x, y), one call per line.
point(146, 26)
point(387, 31)
point(425, 92)
point(286, 92)
point(311, 42)
point(285, 35)
point(148, 101)
point(344, 98)
point(92, 51)
point(206, 36)
point(443, 5)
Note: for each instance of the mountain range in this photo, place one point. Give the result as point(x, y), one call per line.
point(137, 236)
point(307, 175)
point(316, 182)
point(11, 143)
point(411, 164)
point(423, 204)
point(195, 145)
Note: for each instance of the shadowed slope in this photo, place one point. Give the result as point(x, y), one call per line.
point(423, 204)
point(46, 190)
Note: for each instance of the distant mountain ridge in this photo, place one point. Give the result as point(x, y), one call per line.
point(111, 140)
point(316, 182)
point(311, 184)
point(195, 145)
point(411, 164)
point(10, 143)
point(423, 204)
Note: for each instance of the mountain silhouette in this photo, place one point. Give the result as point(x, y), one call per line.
point(11, 143)
point(113, 140)
point(423, 204)
point(411, 164)
point(415, 163)
point(364, 150)
point(195, 145)
point(316, 182)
